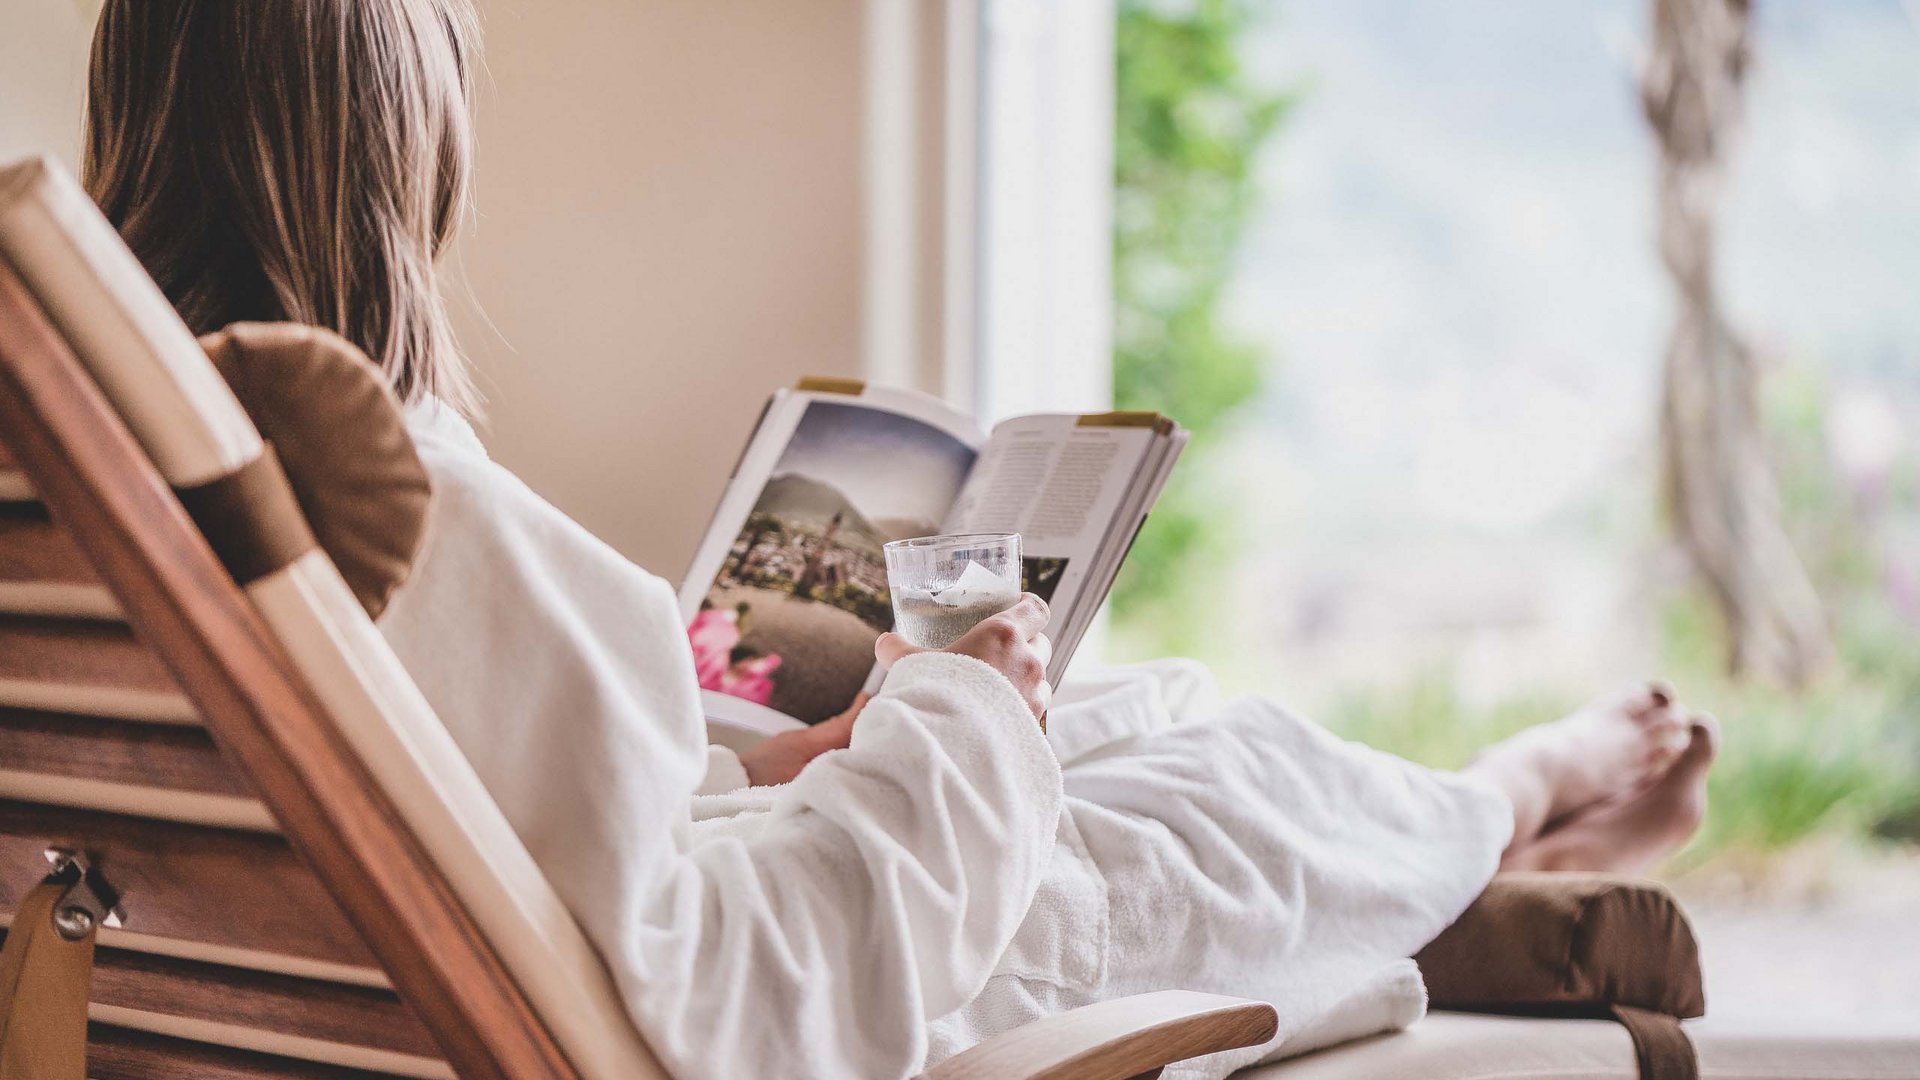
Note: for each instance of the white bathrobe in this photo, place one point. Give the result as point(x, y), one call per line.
point(950, 875)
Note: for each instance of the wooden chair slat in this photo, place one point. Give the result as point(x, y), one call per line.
point(100, 484)
point(327, 1012)
point(219, 887)
point(14, 485)
point(88, 667)
point(117, 751)
point(43, 572)
point(33, 548)
point(285, 1005)
point(115, 1053)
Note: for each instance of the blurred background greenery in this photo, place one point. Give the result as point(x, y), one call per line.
point(1191, 124)
point(1831, 768)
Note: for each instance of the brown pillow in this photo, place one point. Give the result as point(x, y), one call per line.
point(1567, 942)
point(339, 434)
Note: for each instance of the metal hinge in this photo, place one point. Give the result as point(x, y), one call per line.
point(85, 901)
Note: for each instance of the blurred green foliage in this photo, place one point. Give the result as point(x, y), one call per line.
point(1839, 761)
point(1190, 125)
point(1835, 764)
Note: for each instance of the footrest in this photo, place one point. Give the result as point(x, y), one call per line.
point(1571, 944)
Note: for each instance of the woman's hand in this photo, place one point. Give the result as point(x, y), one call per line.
point(1010, 643)
point(777, 759)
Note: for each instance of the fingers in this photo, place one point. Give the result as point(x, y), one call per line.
point(1039, 700)
point(851, 712)
point(1011, 642)
point(1030, 615)
point(1018, 623)
point(1043, 646)
point(836, 732)
point(890, 647)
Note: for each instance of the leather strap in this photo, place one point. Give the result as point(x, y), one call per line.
point(250, 518)
point(1660, 1044)
point(44, 980)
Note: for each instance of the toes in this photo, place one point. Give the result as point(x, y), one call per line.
point(1670, 736)
point(1682, 758)
point(1652, 703)
point(1671, 739)
point(1662, 692)
point(1631, 832)
point(1686, 781)
point(1640, 701)
point(1703, 743)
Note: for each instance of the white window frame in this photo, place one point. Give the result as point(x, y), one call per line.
point(989, 171)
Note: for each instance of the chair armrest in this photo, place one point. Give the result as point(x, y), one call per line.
point(1116, 1040)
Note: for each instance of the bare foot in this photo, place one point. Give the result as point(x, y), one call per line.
point(1629, 833)
point(1610, 747)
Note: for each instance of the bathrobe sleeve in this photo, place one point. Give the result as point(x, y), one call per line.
point(813, 929)
point(874, 895)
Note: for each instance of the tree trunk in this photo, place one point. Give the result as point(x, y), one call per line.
point(1719, 487)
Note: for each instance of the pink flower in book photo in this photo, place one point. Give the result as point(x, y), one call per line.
point(792, 615)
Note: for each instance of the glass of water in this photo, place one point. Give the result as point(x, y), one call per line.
point(944, 586)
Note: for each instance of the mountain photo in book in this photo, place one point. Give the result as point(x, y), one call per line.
point(788, 589)
point(789, 620)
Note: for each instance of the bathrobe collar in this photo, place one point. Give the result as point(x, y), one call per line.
point(436, 419)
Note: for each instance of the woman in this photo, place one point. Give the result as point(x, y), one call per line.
point(930, 869)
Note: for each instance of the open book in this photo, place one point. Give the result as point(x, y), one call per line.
point(788, 590)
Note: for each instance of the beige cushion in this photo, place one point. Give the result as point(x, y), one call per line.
point(1462, 1046)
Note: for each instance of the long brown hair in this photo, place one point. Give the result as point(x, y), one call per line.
point(301, 160)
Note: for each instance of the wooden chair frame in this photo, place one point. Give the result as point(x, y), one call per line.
point(103, 492)
point(98, 484)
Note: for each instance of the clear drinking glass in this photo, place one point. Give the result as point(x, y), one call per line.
point(943, 586)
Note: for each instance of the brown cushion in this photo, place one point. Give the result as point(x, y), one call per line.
point(1567, 942)
point(340, 436)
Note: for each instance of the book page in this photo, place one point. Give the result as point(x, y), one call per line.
point(1063, 483)
point(789, 590)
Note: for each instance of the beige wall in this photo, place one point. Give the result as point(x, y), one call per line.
point(43, 76)
point(669, 226)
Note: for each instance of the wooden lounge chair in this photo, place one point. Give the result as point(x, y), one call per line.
point(235, 842)
point(270, 857)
